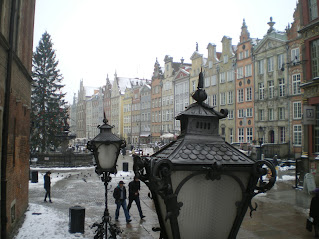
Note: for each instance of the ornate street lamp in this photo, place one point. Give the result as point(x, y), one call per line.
point(261, 133)
point(106, 148)
point(200, 184)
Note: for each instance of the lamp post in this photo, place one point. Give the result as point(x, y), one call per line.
point(201, 185)
point(260, 139)
point(106, 147)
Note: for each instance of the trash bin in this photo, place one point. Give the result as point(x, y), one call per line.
point(34, 176)
point(125, 166)
point(76, 219)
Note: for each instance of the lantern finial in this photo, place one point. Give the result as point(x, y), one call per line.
point(200, 94)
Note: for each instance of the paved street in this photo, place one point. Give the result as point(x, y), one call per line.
point(280, 214)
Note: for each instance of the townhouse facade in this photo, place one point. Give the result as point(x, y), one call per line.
point(226, 87)
point(272, 101)
point(168, 96)
point(127, 115)
point(181, 92)
point(309, 22)
point(16, 41)
point(145, 114)
point(245, 89)
point(156, 99)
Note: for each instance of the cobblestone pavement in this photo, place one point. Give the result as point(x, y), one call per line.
point(281, 213)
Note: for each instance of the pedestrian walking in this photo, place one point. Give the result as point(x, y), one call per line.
point(120, 199)
point(314, 211)
point(134, 195)
point(47, 186)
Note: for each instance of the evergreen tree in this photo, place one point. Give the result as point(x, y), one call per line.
point(49, 112)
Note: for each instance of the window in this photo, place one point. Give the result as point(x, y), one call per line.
point(210, 64)
point(261, 115)
point(222, 77)
point(241, 55)
point(261, 91)
point(271, 114)
point(297, 110)
point(240, 93)
point(230, 114)
point(225, 59)
point(281, 113)
point(249, 134)
point(240, 72)
point(230, 97)
point(280, 61)
point(246, 54)
point(230, 75)
point(282, 135)
point(313, 10)
point(241, 113)
point(271, 89)
point(248, 94)
point(249, 112)
point(315, 58)
point(282, 87)
point(207, 82)
point(270, 64)
point(214, 101)
point(295, 55)
point(240, 135)
point(223, 98)
point(231, 135)
point(296, 84)
point(248, 70)
point(261, 67)
point(297, 134)
point(214, 79)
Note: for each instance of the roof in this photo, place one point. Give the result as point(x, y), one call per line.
point(182, 151)
point(90, 90)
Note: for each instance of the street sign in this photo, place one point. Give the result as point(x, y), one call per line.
point(309, 116)
point(309, 183)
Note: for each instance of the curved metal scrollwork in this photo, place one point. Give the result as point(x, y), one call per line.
point(259, 171)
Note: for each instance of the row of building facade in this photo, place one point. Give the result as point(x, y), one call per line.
point(258, 80)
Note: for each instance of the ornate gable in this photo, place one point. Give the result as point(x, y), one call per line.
point(269, 43)
point(196, 55)
point(181, 74)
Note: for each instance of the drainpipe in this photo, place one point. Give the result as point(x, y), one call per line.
point(5, 130)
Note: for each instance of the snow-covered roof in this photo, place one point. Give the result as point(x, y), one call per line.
point(90, 90)
point(124, 83)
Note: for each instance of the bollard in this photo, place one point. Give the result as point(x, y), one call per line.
point(34, 176)
point(76, 219)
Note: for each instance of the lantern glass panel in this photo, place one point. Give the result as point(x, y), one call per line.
point(107, 155)
point(209, 207)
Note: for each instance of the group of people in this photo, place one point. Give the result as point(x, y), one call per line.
point(119, 194)
point(134, 195)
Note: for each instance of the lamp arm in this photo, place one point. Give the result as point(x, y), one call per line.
point(259, 172)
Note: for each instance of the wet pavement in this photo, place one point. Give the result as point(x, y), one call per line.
point(281, 213)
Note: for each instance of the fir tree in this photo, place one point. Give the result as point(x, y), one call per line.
point(49, 112)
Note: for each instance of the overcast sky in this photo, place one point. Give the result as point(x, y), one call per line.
point(93, 38)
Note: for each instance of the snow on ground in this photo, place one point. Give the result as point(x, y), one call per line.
point(41, 222)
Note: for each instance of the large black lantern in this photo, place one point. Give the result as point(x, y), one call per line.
point(201, 185)
point(106, 148)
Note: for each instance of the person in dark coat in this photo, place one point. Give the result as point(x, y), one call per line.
point(120, 199)
point(47, 186)
point(134, 195)
point(314, 211)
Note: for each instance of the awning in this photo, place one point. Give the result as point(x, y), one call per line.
point(167, 136)
point(145, 135)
